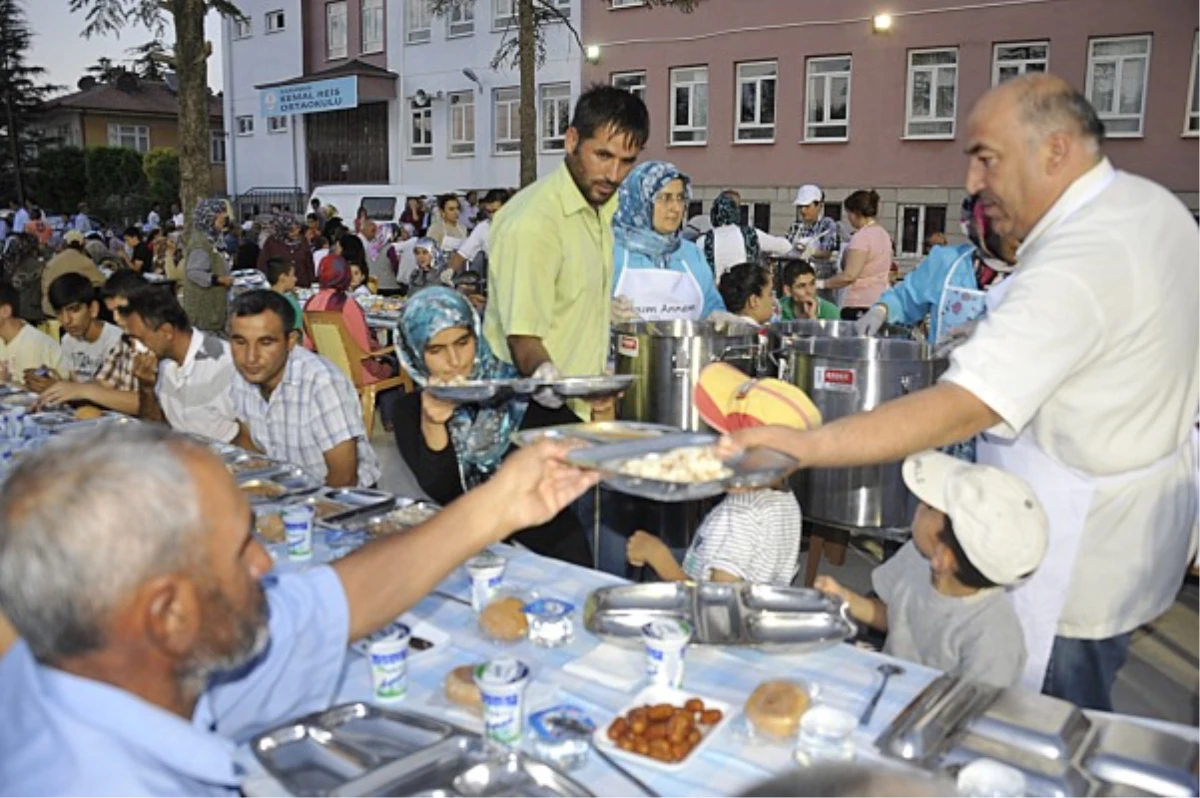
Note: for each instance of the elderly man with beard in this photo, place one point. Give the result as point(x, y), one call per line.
point(153, 638)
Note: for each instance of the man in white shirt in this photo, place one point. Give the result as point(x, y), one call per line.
point(21, 218)
point(153, 219)
point(185, 377)
point(477, 242)
point(1088, 358)
point(22, 346)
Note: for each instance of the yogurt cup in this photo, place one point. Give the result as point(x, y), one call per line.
point(389, 663)
point(486, 571)
point(987, 778)
point(502, 684)
point(666, 642)
point(297, 531)
point(550, 623)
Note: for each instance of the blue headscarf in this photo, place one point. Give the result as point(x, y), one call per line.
point(633, 224)
point(481, 435)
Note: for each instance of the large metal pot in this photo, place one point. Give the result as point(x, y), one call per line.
point(668, 356)
point(851, 375)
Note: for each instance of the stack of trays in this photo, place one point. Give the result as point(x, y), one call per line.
point(490, 391)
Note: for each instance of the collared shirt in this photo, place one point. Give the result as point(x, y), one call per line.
point(1096, 349)
point(550, 274)
point(824, 231)
point(68, 735)
point(117, 369)
point(194, 395)
point(312, 410)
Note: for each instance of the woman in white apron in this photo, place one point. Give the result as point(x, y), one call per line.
point(657, 275)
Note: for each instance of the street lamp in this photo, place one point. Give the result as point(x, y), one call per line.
point(881, 23)
point(592, 53)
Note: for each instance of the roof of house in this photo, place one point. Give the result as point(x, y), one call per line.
point(133, 97)
point(351, 68)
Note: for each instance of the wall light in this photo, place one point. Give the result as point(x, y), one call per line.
point(881, 23)
point(592, 53)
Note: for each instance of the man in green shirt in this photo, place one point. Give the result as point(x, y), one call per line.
point(551, 263)
point(800, 300)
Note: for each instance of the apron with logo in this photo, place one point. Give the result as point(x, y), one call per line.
point(661, 294)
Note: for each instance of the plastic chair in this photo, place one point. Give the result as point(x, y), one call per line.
point(328, 332)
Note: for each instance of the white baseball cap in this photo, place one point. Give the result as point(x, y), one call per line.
point(808, 194)
point(997, 518)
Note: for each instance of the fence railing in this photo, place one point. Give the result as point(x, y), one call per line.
point(257, 200)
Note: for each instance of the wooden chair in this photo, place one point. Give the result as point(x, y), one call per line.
point(329, 334)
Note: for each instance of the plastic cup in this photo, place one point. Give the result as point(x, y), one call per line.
point(987, 778)
point(826, 735)
point(389, 664)
point(502, 684)
point(486, 571)
point(666, 643)
point(297, 531)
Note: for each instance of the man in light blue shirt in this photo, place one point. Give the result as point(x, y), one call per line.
point(153, 640)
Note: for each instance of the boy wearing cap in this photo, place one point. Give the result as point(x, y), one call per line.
point(978, 529)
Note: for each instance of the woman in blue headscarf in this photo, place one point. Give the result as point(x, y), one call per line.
point(452, 448)
point(658, 275)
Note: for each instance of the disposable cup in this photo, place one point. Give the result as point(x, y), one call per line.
point(502, 684)
point(389, 664)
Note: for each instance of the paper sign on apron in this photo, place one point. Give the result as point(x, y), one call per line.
point(661, 294)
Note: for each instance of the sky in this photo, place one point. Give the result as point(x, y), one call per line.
point(59, 46)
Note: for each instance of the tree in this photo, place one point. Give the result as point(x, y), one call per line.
point(21, 96)
point(105, 70)
point(161, 166)
point(191, 65)
point(148, 61)
point(116, 184)
point(61, 181)
point(526, 51)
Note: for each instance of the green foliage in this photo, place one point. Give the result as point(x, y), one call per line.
point(61, 180)
point(148, 61)
point(161, 166)
point(22, 94)
point(117, 188)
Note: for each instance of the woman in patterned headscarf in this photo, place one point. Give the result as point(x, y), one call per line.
point(22, 268)
point(206, 272)
point(452, 448)
point(286, 241)
point(658, 276)
point(730, 242)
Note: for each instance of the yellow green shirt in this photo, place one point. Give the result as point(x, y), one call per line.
point(550, 272)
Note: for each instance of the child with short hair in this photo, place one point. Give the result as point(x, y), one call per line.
point(281, 274)
point(941, 600)
point(800, 300)
point(359, 288)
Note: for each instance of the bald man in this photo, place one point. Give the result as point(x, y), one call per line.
point(1082, 377)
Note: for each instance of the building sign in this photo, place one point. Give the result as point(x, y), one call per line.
point(337, 94)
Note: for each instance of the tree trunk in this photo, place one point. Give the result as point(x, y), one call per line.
point(191, 59)
point(527, 43)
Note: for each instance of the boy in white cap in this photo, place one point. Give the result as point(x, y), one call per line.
point(941, 602)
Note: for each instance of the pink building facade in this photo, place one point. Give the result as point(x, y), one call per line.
point(766, 95)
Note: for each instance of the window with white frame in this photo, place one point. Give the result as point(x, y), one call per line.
point(245, 125)
point(277, 124)
point(689, 105)
point(504, 14)
point(1118, 69)
point(756, 101)
point(1191, 127)
point(276, 21)
point(1019, 58)
point(420, 21)
point(916, 224)
point(337, 30)
point(242, 28)
point(827, 100)
point(372, 26)
point(632, 82)
point(506, 120)
point(555, 103)
point(625, 3)
point(216, 147)
point(420, 130)
point(462, 122)
point(462, 19)
point(131, 137)
point(932, 93)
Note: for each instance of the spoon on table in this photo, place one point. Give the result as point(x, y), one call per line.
point(888, 670)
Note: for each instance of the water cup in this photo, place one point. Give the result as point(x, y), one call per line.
point(826, 735)
point(297, 530)
point(666, 642)
point(389, 664)
point(486, 571)
point(502, 684)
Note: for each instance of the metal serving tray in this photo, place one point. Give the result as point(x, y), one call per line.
point(591, 387)
point(793, 620)
point(349, 502)
point(480, 391)
point(926, 729)
point(1152, 761)
point(245, 463)
point(284, 482)
point(394, 516)
point(754, 468)
point(595, 432)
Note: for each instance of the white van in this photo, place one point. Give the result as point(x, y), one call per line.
point(384, 203)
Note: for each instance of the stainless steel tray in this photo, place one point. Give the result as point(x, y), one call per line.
point(480, 391)
point(792, 620)
point(350, 502)
point(591, 387)
point(595, 432)
point(927, 728)
point(245, 463)
point(394, 516)
point(276, 485)
point(753, 468)
point(1152, 761)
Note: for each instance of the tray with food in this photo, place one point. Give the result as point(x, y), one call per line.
point(663, 728)
point(477, 391)
point(795, 620)
point(395, 516)
point(595, 432)
point(241, 463)
point(277, 484)
point(681, 467)
point(331, 505)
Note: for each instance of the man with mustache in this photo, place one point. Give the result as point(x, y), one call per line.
point(1083, 373)
point(550, 268)
point(152, 637)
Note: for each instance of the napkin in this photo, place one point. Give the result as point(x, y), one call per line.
point(619, 668)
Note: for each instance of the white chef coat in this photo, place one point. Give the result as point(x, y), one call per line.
point(1096, 349)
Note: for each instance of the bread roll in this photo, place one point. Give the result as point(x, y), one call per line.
point(504, 619)
point(461, 688)
point(88, 412)
point(775, 707)
point(270, 527)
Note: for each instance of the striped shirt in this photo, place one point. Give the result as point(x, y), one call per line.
point(754, 536)
point(313, 409)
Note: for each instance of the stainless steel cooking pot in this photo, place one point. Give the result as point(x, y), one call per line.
point(668, 356)
point(851, 375)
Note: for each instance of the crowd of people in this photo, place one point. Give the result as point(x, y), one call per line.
point(1062, 517)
